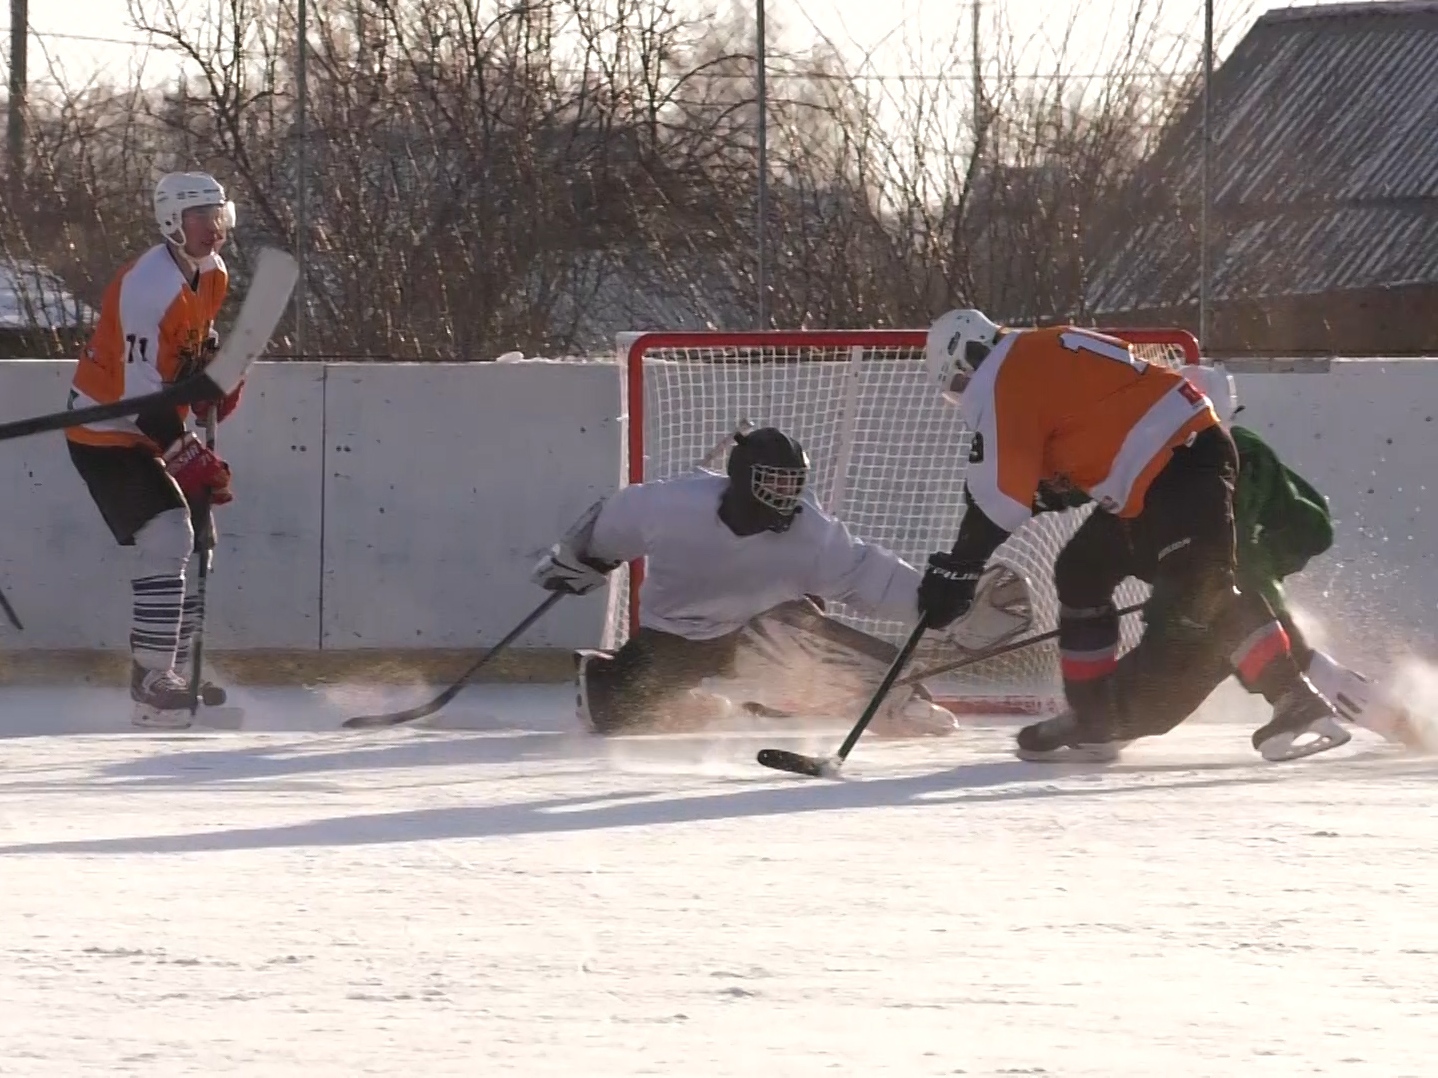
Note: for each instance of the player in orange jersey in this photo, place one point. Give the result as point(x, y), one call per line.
point(150, 476)
point(1068, 407)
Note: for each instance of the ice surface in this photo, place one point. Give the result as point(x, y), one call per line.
point(509, 897)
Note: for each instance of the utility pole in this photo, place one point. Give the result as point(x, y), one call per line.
point(1205, 221)
point(15, 121)
point(302, 214)
point(763, 165)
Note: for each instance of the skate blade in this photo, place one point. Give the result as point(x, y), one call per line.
point(146, 719)
point(1097, 753)
point(1284, 746)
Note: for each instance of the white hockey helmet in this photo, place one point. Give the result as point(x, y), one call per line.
point(177, 192)
point(1218, 386)
point(956, 345)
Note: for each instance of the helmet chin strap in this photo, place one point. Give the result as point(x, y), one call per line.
point(189, 265)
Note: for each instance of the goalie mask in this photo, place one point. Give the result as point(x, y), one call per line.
point(767, 473)
point(957, 343)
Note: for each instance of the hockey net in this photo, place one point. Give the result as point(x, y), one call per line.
point(888, 457)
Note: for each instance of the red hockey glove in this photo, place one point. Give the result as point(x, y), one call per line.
point(224, 406)
point(199, 471)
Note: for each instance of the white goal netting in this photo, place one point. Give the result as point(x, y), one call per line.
point(888, 458)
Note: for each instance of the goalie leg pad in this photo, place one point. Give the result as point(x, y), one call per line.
point(795, 661)
point(648, 683)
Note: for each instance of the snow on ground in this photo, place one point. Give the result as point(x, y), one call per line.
point(504, 897)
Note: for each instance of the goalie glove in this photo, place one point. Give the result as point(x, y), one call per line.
point(1002, 610)
point(564, 571)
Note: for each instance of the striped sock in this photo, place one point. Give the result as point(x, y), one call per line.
point(155, 620)
point(190, 617)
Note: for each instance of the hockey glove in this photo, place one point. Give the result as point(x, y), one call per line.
point(198, 471)
point(947, 590)
point(564, 571)
point(223, 407)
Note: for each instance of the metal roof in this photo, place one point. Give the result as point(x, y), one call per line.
point(1325, 165)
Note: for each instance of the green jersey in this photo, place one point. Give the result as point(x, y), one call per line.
point(1281, 520)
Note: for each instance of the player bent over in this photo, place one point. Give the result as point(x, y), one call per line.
point(151, 478)
point(724, 620)
point(1282, 523)
point(1079, 410)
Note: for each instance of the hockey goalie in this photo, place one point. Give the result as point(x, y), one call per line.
point(731, 622)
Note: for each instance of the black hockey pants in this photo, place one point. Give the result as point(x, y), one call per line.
point(1198, 628)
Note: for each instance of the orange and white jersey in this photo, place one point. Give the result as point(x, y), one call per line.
point(152, 325)
point(1074, 405)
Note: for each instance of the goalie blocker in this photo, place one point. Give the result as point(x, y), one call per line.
point(731, 623)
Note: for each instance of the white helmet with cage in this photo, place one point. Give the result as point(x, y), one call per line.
point(177, 192)
point(1218, 386)
point(956, 345)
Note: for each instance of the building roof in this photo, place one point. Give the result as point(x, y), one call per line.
point(1324, 169)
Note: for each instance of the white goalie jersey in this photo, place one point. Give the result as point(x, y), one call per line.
point(702, 581)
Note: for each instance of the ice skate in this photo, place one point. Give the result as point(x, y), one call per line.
point(1063, 739)
point(160, 698)
point(1365, 703)
point(1303, 724)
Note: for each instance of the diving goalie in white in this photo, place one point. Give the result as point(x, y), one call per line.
point(728, 624)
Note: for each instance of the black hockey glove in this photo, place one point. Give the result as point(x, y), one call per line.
point(947, 590)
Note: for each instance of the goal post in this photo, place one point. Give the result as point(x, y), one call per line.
point(888, 457)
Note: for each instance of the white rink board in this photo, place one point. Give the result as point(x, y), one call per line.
point(445, 483)
point(1365, 433)
point(436, 486)
point(69, 580)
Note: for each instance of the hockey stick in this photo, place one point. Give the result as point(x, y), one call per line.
point(396, 718)
point(365, 722)
point(993, 653)
point(10, 614)
point(197, 640)
point(268, 296)
point(813, 766)
point(800, 764)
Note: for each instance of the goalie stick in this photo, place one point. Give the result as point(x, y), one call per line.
point(397, 718)
point(265, 302)
point(800, 764)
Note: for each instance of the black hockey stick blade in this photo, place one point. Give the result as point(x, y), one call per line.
point(269, 293)
point(799, 764)
point(10, 615)
point(782, 760)
point(397, 718)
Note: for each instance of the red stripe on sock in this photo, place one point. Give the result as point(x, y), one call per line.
point(1087, 669)
point(1250, 663)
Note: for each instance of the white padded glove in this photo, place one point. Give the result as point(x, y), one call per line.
point(562, 570)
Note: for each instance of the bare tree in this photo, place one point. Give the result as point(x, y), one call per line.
point(486, 175)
